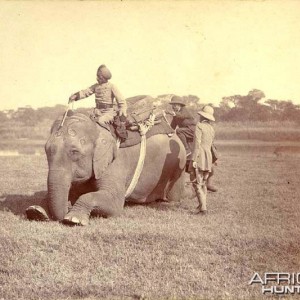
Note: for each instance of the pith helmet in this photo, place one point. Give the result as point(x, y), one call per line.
point(177, 100)
point(104, 71)
point(207, 112)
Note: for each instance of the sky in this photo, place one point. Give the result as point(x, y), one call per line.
point(207, 48)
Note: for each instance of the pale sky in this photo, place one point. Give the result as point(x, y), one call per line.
point(211, 49)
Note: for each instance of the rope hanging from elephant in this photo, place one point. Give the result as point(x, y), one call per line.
point(143, 128)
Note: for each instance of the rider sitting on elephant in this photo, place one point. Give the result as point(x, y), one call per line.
point(105, 93)
point(184, 121)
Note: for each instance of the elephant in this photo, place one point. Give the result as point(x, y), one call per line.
point(89, 174)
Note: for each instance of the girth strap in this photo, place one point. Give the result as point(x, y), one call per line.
point(143, 128)
point(139, 167)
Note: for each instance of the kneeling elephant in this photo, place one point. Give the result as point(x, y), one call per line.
point(87, 172)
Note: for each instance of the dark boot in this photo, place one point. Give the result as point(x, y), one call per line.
point(210, 187)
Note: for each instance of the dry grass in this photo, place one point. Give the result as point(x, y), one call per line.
point(158, 251)
point(263, 131)
point(266, 131)
point(17, 130)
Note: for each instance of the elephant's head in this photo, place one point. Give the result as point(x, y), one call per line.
point(76, 152)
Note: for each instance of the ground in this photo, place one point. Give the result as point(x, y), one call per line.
point(162, 250)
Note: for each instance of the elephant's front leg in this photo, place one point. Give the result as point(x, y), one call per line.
point(108, 201)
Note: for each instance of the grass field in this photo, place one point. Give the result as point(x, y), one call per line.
point(263, 131)
point(161, 251)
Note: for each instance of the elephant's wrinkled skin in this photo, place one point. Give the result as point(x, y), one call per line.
point(86, 168)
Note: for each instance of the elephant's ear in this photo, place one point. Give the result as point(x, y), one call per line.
point(104, 154)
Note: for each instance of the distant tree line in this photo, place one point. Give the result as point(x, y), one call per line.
point(29, 116)
point(236, 108)
point(250, 108)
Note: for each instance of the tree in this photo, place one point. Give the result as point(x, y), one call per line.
point(244, 108)
point(284, 110)
point(3, 117)
point(250, 101)
point(289, 111)
point(25, 115)
point(50, 113)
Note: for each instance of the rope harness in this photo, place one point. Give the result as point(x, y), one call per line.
point(144, 127)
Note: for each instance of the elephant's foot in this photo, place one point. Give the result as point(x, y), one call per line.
point(76, 218)
point(36, 213)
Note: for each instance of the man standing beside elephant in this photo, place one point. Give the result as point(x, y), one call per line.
point(186, 123)
point(105, 93)
point(202, 155)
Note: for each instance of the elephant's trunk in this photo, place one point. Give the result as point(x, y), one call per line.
point(59, 182)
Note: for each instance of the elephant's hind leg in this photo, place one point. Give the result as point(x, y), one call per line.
point(177, 186)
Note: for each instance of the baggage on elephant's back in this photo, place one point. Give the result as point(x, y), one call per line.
point(140, 108)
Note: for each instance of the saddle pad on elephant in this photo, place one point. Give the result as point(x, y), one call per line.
point(134, 137)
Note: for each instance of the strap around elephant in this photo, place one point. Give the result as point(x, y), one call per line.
point(139, 167)
point(144, 128)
